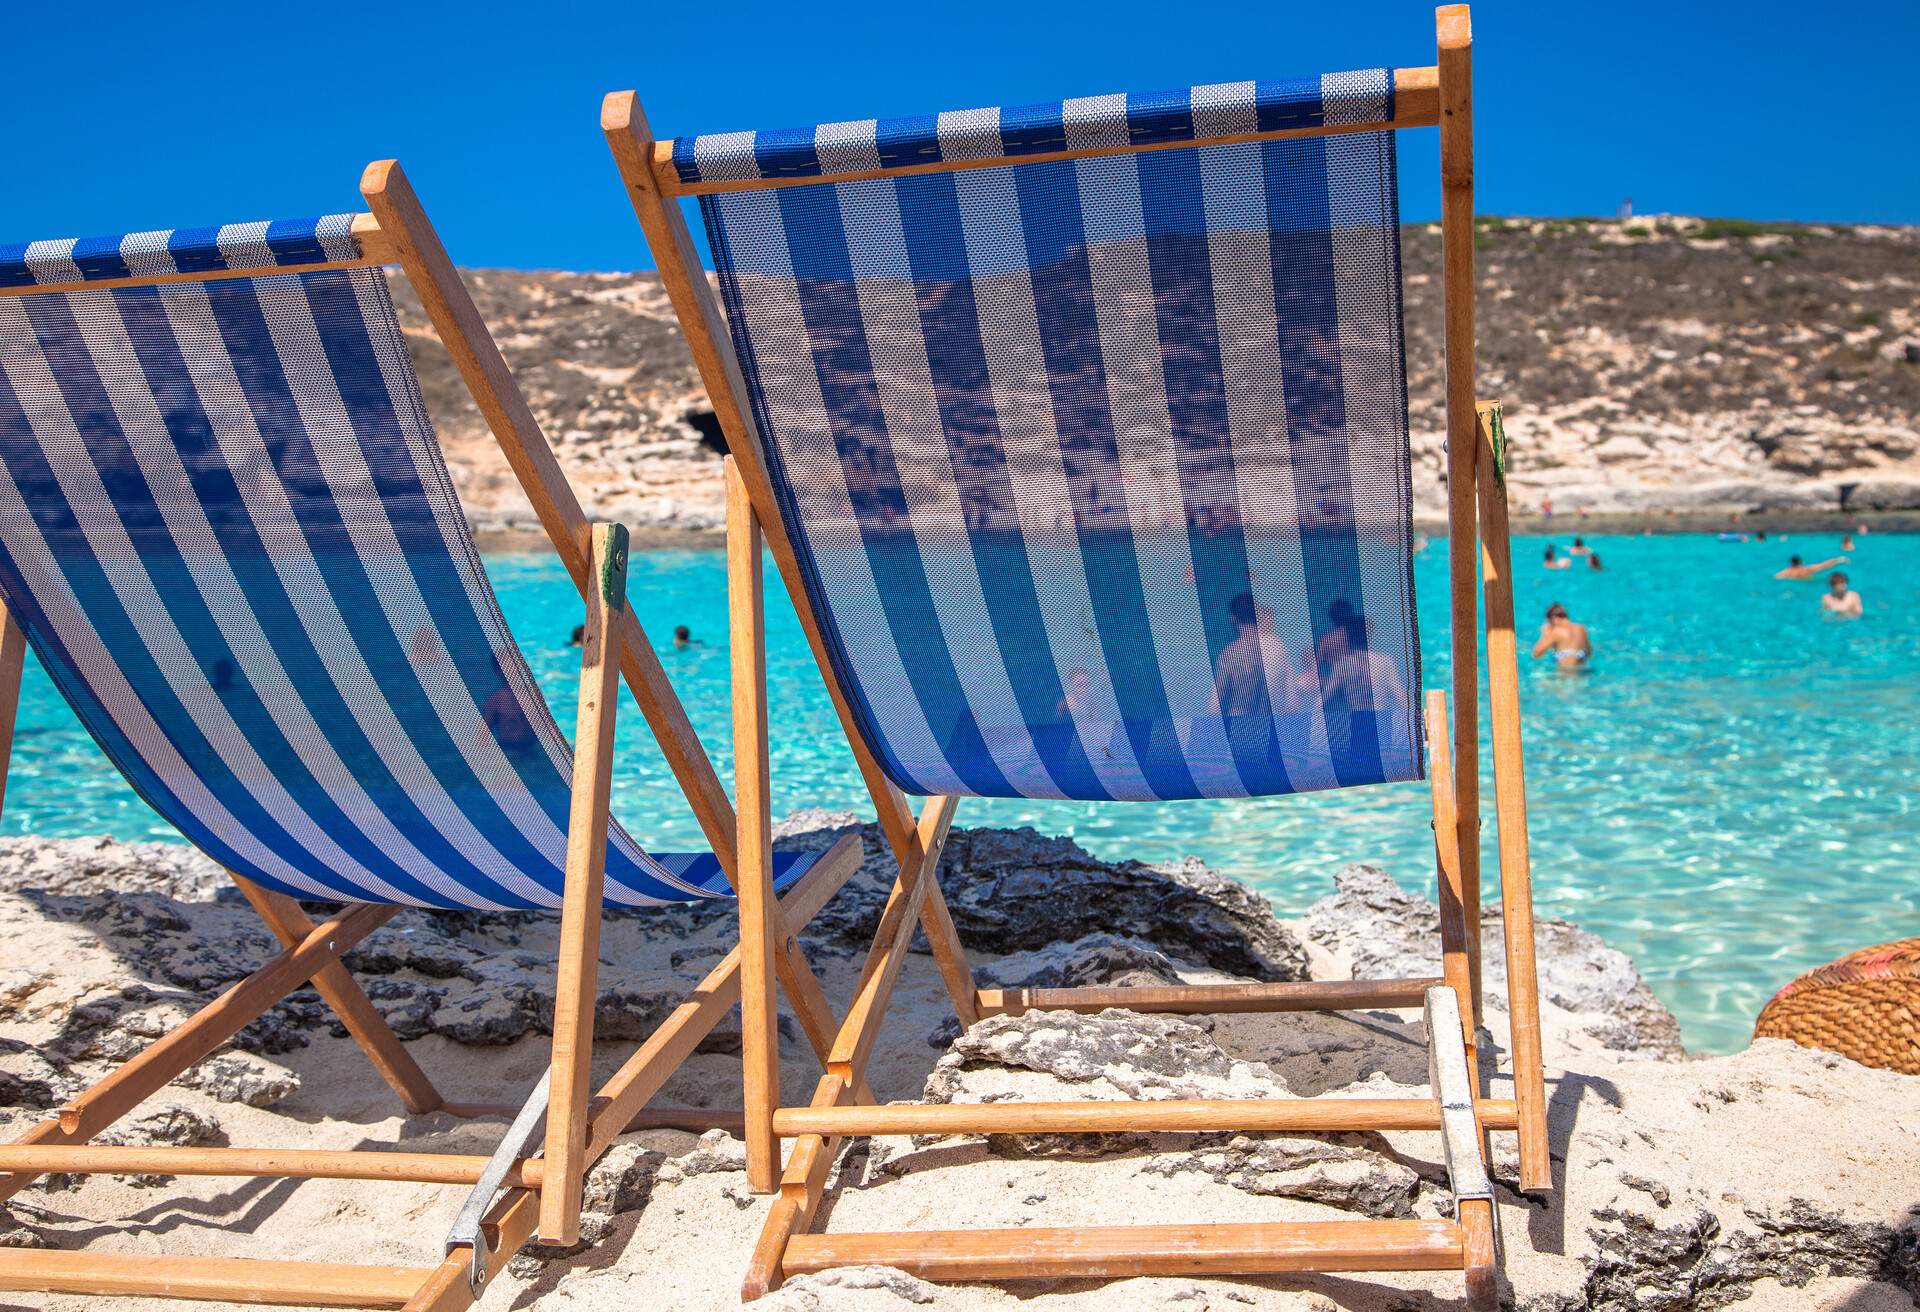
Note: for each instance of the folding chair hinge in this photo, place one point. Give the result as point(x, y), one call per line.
point(1453, 1089)
point(468, 1231)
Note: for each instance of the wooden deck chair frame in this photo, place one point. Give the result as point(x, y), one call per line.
point(1437, 96)
point(519, 1192)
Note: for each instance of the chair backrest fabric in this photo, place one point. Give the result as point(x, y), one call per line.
point(1097, 468)
point(227, 530)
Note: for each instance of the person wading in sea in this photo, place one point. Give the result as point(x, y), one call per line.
point(1840, 600)
point(1568, 642)
point(1250, 667)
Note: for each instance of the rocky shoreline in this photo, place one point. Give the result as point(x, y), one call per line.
point(528, 538)
point(1774, 1178)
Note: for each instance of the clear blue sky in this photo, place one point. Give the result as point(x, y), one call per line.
point(132, 117)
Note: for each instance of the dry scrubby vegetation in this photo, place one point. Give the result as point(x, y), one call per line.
point(1718, 314)
point(1659, 361)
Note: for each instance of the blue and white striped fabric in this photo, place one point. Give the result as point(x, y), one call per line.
point(227, 530)
point(1139, 119)
point(1097, 469)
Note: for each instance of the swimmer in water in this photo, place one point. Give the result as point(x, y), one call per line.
point(1593, 560)
point(1846, 542)
point(1579, 548)
point(1797, 570)
point(1556, 562)
point(1569, 643)
point(1841, 600)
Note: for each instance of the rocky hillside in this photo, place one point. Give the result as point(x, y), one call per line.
point(1654, 364)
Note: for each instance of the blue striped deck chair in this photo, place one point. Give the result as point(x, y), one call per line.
point(228, 535)
point(1079, 433)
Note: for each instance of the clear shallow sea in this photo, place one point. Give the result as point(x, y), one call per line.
point(1729, 795)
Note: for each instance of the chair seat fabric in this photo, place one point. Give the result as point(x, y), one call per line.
point(227, 530)
point(1097, 469)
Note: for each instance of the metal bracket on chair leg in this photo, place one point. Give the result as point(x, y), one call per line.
point(1453, 1087)
point(467, 1231)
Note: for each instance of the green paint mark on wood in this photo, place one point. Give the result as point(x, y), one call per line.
point(610, 554)
point(1497, 438)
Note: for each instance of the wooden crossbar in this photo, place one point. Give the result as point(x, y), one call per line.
point(216, 1279)
point(1416, 104)
point(1181, 1116)
point(291, 1163)
point(1215, 999)
point(1119, 1252)
point(696, 1120)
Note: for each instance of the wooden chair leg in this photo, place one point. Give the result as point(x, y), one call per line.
point(759, 1034)
point(1476, 1225)
point(1470, 916)
point(1455, 959)
point(356, 1011)
point(1510, 804)
point(1456, 227)
point(587, 822)
point(805, 1178)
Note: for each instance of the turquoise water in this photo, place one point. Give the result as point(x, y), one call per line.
point(1728, 795)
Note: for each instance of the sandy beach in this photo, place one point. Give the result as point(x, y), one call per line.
point(1776, 1178)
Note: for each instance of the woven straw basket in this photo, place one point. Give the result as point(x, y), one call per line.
point(1865, 1006)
